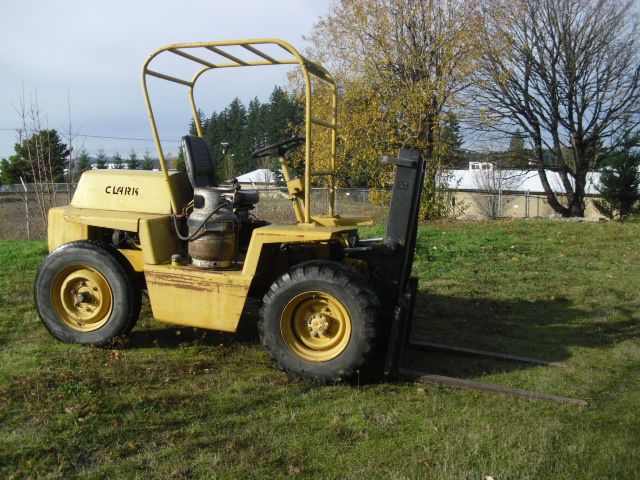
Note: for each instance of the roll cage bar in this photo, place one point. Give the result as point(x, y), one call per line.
point(224, 59)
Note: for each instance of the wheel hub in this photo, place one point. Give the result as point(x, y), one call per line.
point(318, 324)
point(82, 298)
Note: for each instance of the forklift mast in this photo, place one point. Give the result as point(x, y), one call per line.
point(396, 287)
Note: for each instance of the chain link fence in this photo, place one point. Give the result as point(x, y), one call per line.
point(481, 205)
point(276, 207)
point(21, 216)
point(23, 208)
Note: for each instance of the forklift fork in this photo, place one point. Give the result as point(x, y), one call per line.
point(397, 288)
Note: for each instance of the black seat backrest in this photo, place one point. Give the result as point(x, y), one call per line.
point(200, 166)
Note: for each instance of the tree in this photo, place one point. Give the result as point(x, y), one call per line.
point(101, 160)
point(39, 156)
point(451, 139)
point(517, 155)
point(282, 117)
point(215, 134)
point(147, 162)
point(82, 165)
point(133, 163)
point(117, 161)
point(619, 185)
point(567, 73)
point(235, 116)
point(257, 123)
point(493, 181)
point(400, 65)
point(203, 122)
point(180, 165)
point(43, 153)
point(242, 130)
point(12, 169)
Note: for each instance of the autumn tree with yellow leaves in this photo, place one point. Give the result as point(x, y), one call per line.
point(400, 66)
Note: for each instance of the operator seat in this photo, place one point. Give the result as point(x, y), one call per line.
point(201, 170)
point(200, 166)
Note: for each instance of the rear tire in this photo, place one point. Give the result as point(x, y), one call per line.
point(86, 292)
point(319, 321)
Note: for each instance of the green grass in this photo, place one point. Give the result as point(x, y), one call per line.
point(180, 403)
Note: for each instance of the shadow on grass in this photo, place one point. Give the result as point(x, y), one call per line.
point(179, 336)
point(174, 337)
point(543, 329)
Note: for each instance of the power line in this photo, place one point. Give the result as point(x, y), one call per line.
point(102, 136)
point(126, 138)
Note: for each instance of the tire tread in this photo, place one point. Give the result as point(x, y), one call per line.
point(353, 285)
point(134, 294)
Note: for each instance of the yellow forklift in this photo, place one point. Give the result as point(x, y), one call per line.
point(331, 303)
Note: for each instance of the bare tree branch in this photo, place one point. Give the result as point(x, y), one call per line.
point(567, 73)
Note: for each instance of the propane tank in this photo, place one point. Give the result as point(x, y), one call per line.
point(212, 227)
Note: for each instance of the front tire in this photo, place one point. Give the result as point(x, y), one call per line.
point(85, 292)
point(319, 321)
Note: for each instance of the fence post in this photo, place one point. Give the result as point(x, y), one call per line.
point(26, 208)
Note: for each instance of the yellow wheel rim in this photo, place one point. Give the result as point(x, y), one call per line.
point(81, 298)
point(316, 326)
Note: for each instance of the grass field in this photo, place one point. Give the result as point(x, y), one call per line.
point(179, 403)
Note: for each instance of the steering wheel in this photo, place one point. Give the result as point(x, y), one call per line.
point(278, 149)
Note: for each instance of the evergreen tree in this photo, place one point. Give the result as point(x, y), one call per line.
point(284, 116)
point(147, 162)
point(42, 153)
point(203, 122)
point(255, 131)
point(101, 160)
point(235, 124)
point(451, 140)
point(243, 130)
point(83, 163)
point(517, 155)
point(117, 161)
point(620, 185)
point(180, 166)
point(133, 163)
point(215, 135)
point(13, 168)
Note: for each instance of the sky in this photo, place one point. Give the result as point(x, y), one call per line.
point(85, 57)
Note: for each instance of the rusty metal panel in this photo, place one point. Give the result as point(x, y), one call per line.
point(186, 295)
